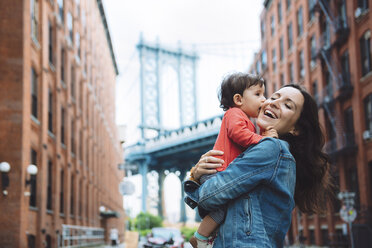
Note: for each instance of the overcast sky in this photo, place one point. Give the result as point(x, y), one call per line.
point(225, 34)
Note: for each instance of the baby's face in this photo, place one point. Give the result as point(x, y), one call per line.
point(252, 99)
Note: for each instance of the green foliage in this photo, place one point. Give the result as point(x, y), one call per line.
point(144, 222)
point(188, 232)
point(144, 232)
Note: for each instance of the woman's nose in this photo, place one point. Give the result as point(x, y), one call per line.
point(274, 103)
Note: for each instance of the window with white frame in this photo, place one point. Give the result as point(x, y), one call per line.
point(365, 52)
point(34, 6)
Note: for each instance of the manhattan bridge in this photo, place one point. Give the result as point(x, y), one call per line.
point(160, 149)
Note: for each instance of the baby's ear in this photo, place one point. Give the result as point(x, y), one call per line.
point(237, 98)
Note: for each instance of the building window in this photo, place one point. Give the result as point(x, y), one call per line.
point(370, 177)
point(50, 111)
point(349, 126)
point(72, 82)
point(289, 33)
point(63, 66)
point(299, 22)
point(315, 91)
point(77, 40)
point(81, 145)
point(63, 125)
point(281, 49)
point(312, 4)
point(272, 25)
point(345, 68)
point(70, 27)
point(34, 93)
point(288, 4)
point(291, 72)
point(280, 11)
point(48, 241)
point(61, 193)
point(77, 4)
point(281, 80)
point(363, 4)
point(302, 65)
point(354, 185)
point(34, 19)
point(326, 36)
point(329, 86)
point(365, 52)
point(258, 67)
point(264, 59)
point(273, 52)
point(87, 203)
point(313, 50)
point(49, 186)
point(312, 237)
point(50, 44)
point(33, 180)
point(72, 203)
point(81, 196)
point(31, 241)
point(368, 112)
point(72, 137)
point(262, 30)
point(325, 237)
point(60, 8)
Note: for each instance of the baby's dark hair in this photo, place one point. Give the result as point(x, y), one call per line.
point(236, 83)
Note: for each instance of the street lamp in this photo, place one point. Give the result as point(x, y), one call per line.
point(32, 170)
point(4, 169)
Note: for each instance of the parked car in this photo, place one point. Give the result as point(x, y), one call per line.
point(164, 237)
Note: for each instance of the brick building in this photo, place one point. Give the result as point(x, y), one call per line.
point(57, 111)
point(326, 46)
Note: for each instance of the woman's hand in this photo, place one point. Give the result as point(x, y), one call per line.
point(207, 164)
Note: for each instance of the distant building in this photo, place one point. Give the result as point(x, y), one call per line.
point(57, 111)
point(326, 47)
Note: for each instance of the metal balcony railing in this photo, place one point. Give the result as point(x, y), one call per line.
point(343, 143)
point(81, 236)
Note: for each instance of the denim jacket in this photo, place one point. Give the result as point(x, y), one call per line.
point(258, 189)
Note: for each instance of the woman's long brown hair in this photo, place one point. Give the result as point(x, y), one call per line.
point(314, 185)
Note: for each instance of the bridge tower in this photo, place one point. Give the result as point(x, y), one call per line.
point(153, 61)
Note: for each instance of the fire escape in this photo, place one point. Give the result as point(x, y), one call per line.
point(335, 33)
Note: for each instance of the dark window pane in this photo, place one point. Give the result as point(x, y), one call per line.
point(61, 193)
point(50, 111)
point(299, 22)
point(49, 185)
point(365, 52)
point(50, 45)
point(289, 31)
point(63, 125)
point(34, 93)
point(33, 180)
point(368, 112)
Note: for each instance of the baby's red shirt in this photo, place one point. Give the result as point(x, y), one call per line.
point(237, 132)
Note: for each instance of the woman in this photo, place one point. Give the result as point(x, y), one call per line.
point(261, 187)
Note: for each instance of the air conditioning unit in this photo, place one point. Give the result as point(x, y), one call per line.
point(358, 12)
point(367, 135)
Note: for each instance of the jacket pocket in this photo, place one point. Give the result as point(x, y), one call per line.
point(248, 215)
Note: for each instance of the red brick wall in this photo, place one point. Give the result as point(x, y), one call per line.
point(92, 109)
point(362, 88)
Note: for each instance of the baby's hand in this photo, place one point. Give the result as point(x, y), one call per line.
point(270, 132)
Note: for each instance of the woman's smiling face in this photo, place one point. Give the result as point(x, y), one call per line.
point(281, 111)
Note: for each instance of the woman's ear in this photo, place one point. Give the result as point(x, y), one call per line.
point(237, 98)
point(294, 132)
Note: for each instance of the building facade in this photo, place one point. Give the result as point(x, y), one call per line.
point(57, 111)
point(326, 47)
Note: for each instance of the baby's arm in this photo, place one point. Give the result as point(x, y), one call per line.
point(238, 129)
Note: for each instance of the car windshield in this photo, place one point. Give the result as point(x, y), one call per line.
point(165, 233)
